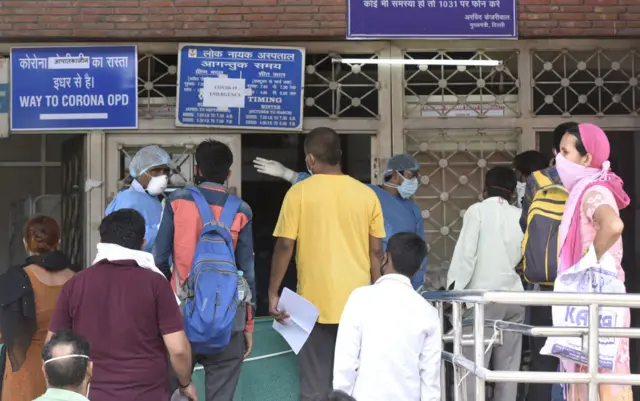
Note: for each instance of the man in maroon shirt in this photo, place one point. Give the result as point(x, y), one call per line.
point(126, 310)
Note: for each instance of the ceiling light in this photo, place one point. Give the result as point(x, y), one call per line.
point(427, 62)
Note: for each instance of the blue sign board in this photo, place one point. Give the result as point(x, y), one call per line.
point(246, 87)
point(432, 19)
point(4, 98)
point(74, 88)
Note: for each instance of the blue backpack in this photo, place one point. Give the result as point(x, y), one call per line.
point(212, 284)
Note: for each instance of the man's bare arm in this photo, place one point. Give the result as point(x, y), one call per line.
point(375, 254)
point(180, 354)
point(279, 264)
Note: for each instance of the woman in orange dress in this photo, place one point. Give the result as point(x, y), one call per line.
point(28, 294)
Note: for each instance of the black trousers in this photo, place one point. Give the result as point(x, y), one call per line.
point(316, 362)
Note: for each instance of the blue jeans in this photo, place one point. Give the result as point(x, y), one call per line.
point(557, 393)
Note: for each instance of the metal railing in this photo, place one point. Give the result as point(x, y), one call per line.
point(527, 298)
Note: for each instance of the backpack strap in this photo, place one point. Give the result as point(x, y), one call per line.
point(229, 210)
point(203, 206)
point(541, 179)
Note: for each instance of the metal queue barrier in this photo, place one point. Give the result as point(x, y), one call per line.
point(526, 298)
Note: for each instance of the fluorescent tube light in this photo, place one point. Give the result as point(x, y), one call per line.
point(427, 62)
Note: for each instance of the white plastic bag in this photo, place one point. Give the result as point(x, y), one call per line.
point(178, 396)
point(587, 276)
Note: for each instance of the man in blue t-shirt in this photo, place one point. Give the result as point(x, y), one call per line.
point(400, 213)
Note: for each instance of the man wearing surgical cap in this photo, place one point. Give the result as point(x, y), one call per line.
point(150, 169)
point(400, 213)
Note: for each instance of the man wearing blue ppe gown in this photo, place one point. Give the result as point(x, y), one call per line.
point(150, 169)
point(401, 180)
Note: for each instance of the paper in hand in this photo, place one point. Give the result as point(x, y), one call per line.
point(302, 318)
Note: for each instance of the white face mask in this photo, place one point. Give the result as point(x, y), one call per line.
point(520, 189)
point(157, 185)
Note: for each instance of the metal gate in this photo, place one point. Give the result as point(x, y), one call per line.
point(121, 148)
point(73, 205)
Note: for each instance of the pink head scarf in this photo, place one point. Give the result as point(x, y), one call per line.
point(578, 180)
point(595, 141)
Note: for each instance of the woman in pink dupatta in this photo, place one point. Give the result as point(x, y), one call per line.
point(592, 216)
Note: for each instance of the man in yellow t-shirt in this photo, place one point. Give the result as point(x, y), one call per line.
point(336, 223)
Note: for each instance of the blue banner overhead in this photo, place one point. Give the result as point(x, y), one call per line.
point(250, 87)
point(432, 19)
point(74, 88)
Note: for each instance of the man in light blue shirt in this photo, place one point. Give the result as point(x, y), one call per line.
point(67, 367)
point(400, 213)
point(150, 168)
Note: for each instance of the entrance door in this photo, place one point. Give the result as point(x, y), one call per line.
point(181, 147)
point(73, 205)
point(265, 194)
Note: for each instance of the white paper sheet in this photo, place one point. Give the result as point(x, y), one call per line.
point(302, 317)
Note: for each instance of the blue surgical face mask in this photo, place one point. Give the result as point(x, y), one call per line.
point(408, 187)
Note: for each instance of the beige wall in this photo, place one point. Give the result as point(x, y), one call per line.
point(21, 182)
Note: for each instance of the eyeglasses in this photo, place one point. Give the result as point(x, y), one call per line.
point(411, 174)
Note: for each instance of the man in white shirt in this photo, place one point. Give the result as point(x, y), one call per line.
point(389, 339)
point(485, 258)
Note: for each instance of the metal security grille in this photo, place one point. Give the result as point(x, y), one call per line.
point(446, 91)
point(157, 85)
point(183, 161)
point(451, 124)
point(453, 167)
point(595, 82)
point(73, 207)
point(338, 90)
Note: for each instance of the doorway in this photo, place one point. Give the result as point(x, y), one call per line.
point(265, 194)
point(43, 174)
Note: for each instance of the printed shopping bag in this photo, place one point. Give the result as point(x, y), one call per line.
point(587, 276)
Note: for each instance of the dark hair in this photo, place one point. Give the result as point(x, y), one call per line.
point(575, 131)
point(324, 144)
point(337, 395)
point(124, 227)
point(67, 372)
point(500, 181)
point(214, 160)
point(42, 234)
point(407, 250)
point(528, 162)
point(559, 132)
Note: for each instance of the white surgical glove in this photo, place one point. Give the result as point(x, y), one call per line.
point(274, 169)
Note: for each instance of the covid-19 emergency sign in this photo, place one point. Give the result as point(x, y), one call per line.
point(74, 88)
point(250, 87)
